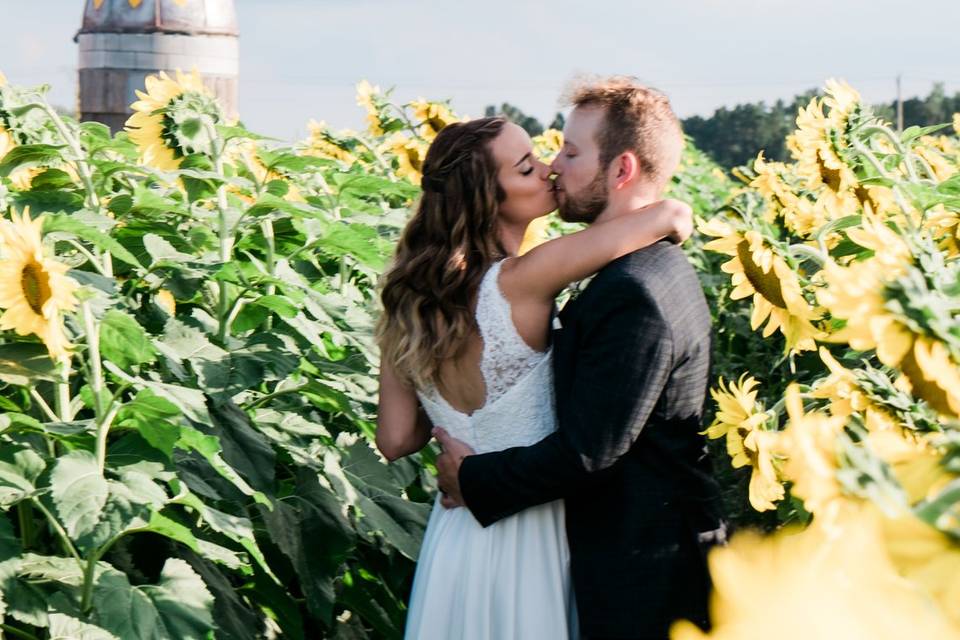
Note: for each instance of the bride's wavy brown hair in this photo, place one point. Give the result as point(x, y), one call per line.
point(443, 253)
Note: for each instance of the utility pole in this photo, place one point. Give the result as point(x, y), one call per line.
point(899, 106)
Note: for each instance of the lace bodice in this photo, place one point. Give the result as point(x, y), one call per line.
point(506, 357)
point(519, 404)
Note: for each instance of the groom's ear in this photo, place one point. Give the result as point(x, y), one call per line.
point(628, 168)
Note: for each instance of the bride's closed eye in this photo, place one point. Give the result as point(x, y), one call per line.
point(527, 171)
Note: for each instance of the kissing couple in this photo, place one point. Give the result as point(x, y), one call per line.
point(576, 498)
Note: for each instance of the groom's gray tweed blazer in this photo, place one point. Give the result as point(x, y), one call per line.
point(631, 366)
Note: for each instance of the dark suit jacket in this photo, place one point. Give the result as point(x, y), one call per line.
point(631, 366)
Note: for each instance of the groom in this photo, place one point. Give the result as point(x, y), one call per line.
point(631, 362)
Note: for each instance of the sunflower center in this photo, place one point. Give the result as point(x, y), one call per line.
point(863, 195)
point(414, 157)
point(830, 177)
point(766, 284)
point(923, 385)
point(436, 124)
point(35, 284)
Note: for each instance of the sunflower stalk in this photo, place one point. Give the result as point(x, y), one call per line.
point(61, 399)
point(224, 234)
point(887, 133)
point(13, 632)
point(60, 531)
point(266, 225)
point(377, 156)
point(105, 266)
point(104, 415)
point(90, 257)
point(808, 252)
point(870, 157)
point(25, 519)
point(931, 176)
point(898, 145)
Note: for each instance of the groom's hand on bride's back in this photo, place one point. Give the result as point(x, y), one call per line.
point(448, 467)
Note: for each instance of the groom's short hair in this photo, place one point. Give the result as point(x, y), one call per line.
point(636, 118)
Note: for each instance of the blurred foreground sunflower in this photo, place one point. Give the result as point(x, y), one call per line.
point(832, 580)
point(809, 444)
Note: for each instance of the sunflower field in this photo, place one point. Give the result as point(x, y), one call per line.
point(847, 412)
point(188, 376)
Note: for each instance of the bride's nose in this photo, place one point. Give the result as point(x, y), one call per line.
point(543, 170)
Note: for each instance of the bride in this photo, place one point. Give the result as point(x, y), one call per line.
point(464, 341)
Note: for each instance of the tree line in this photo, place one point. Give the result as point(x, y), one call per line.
point(733, 136)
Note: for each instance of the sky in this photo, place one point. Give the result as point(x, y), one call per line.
point(300, 59)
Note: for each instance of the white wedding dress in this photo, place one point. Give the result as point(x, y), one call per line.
point(510, 580)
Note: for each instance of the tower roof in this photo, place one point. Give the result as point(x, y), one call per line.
point(218, 17)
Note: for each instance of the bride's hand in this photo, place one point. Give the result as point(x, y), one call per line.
point(680, 220)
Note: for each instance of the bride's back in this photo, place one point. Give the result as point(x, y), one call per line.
point(499, 391)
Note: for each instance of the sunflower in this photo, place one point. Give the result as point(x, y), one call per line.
point(927, 558)
point(173, 119)
point(939, 153)
point(164, 299)
point(842, 388)
point(809, 445)
point(324, 144)
point(535, 234)
point(244, 155)
point(944, 225)
point(366, 98)
point(915, 462)
point(769, 181)
point(933, 374)
point(432, 117)
point(21, 176)
point(742, 420)
point(817, 143)
point(548, 144)
point(7, 143)
point(410, 153)
point(833, 580)
point(842, 99)
point(855, 293)
point(756, 270)
point(876, 199)
point(34, 290)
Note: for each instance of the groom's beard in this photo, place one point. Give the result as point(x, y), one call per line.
point(587, 204)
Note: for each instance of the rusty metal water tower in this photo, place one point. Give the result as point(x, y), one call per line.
point(123, 41)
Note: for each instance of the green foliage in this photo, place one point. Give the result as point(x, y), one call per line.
point(204, 466)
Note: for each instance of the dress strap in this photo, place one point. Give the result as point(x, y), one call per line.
point(506, 357)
